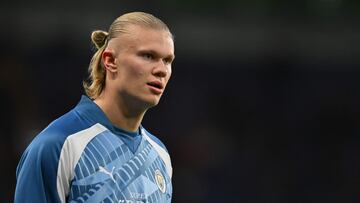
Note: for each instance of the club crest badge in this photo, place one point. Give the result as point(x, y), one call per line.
point(160, 181)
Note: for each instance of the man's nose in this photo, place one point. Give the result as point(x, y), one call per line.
point(161, 69)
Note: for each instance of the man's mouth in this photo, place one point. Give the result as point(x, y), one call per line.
point(156, 87)
point(156, 84)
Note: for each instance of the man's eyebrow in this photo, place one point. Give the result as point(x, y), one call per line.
point(157, 54)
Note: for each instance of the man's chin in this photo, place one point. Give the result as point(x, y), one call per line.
point(153, 103)
point(144, 102)
point(150, 102)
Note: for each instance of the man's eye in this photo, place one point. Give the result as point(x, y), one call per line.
point(168, 61)
point(148, 56)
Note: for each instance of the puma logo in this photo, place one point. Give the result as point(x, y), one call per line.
point(103, 170)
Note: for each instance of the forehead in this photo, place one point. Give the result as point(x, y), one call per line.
point(144, 38)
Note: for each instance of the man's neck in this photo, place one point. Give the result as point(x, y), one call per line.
point(119, 114)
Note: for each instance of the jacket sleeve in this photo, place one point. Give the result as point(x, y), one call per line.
point(36, 173)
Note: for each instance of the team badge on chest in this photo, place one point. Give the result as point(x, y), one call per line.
point(160, 181)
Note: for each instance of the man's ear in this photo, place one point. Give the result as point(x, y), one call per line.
point(108, 57)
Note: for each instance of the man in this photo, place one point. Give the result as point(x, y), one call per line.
point(99, 152)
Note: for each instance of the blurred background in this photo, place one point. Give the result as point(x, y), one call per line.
point(263, 104)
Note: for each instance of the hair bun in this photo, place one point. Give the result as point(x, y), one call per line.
point(98, 37)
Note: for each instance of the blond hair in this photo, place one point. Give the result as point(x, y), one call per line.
point(99, 38)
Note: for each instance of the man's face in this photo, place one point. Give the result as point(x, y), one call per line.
point(143, 58)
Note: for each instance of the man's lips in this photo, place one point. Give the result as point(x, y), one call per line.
point(156, 87)
point(156, 84)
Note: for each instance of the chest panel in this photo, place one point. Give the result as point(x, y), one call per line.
point(109, 172)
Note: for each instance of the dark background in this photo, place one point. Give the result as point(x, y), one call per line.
point(263, 104)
